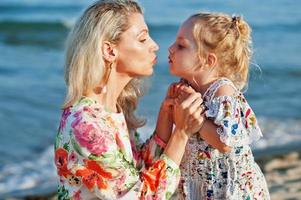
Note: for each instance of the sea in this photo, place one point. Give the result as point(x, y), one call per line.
point(32, 87)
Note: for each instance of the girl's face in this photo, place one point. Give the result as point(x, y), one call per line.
point(136, 49)
point(183, 54)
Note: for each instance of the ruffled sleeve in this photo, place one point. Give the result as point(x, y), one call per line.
point(236, 120)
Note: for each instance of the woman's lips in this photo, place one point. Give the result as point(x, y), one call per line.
point(154, 60)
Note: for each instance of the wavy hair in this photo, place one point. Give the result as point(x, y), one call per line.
point(105, 20)
point(230, 39)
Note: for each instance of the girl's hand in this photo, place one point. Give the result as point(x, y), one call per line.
point(172, 93)
point(165, 117)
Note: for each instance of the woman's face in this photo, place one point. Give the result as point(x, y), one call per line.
point(136, 49)
point(183, 56)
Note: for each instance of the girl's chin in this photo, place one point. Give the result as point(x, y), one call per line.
point(174, 73)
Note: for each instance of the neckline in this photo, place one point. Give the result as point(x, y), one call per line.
point(212, 85)
point(103, 107)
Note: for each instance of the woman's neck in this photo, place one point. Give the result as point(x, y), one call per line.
point(114, 87)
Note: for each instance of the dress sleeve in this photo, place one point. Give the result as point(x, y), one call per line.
point(236, 120)
point(146, 153)
point(97, 166)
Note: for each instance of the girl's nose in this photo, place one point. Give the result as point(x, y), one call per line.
point(170, 49)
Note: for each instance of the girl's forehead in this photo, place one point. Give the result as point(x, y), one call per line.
point(185, 31)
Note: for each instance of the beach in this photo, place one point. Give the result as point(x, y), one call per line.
point(283, 175)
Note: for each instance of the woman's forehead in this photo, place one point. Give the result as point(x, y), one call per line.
point(137, 25)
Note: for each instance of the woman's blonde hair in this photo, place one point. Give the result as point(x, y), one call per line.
point(230, 39)
point(105, 20)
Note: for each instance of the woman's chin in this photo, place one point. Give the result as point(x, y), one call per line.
point(148, 72)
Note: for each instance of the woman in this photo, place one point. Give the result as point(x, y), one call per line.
point(97, 150)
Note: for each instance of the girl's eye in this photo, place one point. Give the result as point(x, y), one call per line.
point(180, 46)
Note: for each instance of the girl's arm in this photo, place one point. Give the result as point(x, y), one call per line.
point(165, 117)
point(209, 130)
point(164, 122)
point(209, 134)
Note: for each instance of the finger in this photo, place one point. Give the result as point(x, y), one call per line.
point(181, 97)
point(171, 90)
point(198, 113)
point(191, 98)
point(197, 104)
point(177, 101)
point(186, 89)
point(169, 102)
point(177, 87)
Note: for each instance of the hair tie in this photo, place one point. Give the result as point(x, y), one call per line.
point(235, 20)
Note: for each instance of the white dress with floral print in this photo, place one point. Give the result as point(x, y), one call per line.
point(97, 158)
point(208, 174)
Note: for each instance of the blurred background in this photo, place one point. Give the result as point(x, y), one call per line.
point(32, 89)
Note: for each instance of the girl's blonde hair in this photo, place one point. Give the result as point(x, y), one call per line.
point(105, 20)
point(230, 39)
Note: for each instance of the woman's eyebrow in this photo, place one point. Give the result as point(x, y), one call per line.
point(142, 32)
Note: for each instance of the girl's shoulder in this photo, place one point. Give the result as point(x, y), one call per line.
point(221, 87)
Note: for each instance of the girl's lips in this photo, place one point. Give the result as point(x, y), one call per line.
point(169, 60)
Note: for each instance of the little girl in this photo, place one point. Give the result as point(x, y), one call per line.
point(212, 53)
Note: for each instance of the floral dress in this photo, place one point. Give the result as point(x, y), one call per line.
point(97, 158)
point(208, 174)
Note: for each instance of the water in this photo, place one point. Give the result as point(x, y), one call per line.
point(32, 35)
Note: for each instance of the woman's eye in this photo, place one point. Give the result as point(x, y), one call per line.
point(142, 40)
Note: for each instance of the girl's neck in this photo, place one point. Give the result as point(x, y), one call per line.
point(202, 84)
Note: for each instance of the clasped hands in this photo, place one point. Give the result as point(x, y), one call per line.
point(185, 107)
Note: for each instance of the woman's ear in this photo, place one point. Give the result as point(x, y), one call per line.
point(109, 51)
point(211, 59)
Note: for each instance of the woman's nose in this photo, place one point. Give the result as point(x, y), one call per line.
point(155, 46)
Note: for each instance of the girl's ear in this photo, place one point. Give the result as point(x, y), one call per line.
point(211, 59)
point(109, 51)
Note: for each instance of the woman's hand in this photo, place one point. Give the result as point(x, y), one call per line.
point(188, 110)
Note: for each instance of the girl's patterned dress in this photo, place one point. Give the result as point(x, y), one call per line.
point(208, 174)
point(97, 158)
